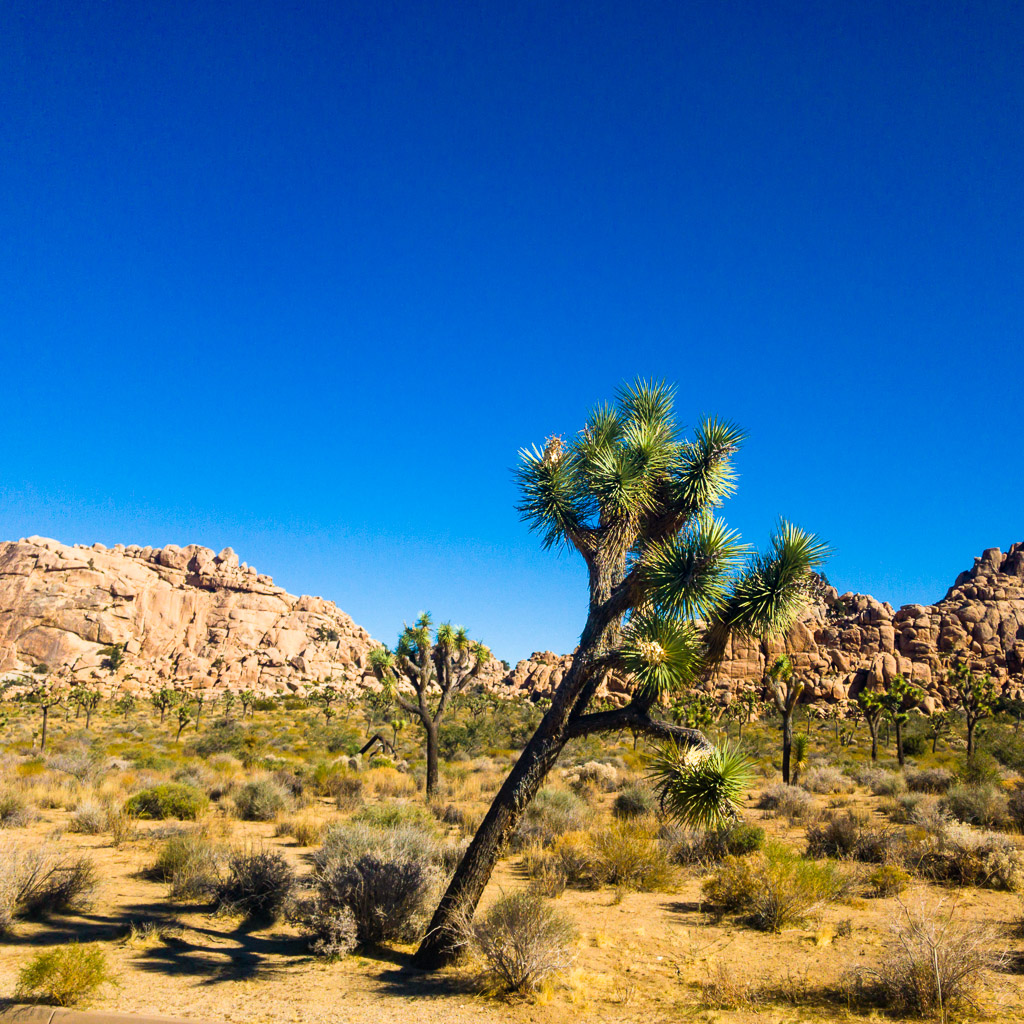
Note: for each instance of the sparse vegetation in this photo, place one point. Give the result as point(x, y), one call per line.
point(64, 976)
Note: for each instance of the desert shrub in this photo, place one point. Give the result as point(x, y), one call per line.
point(222, 738)
point(603, 776)
point(305, 829)
point(449, 814)
point(259, 884)
point(957, 853)
point(259, 800)
point(836, 835)
point(522, 940)
point(1007, 747)
point(1015, 806)
point(88, 818)
point(928, 780)
point(883, 783)
point(189, 864)
point(294, 785)
point(330, 930)
point(695, 846)
point(387, 781)
point(396, 815)
point(634, 802)
point(935, 961)
point(551, 813)
point(790, 802)
point(630, 856)
point(63, 976)
point(80, 764)
point(907, 807)
point(383, 875)
point(571, 861)
point(167, 800)
point(41, 880)
point(915, 745)
point(978, 769)
point(776, 888)
point(888, 880)
point(14, 811)
point(121, 825)
point(826, 779)
point(977, 804)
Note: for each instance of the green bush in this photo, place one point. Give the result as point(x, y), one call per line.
point(395, 815)
point(551, 813)
point(629, 855)
point(979, 769)
point(983, 804)
point(167, 800)
point(634, 802)
point(260, 800)
point(63, 976)
point(888, 880)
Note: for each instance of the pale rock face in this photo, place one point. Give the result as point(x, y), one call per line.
point(185, 615)
point(851, 641)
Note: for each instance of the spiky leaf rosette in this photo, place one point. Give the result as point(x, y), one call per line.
point(662, 653)
point(704, 793)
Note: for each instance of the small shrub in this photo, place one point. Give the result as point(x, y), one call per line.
point(978, 769)
point(522, 940)
point(14, 812)
point(883, 783)
point(630, 856)
point(837, 835)
point(634, 802)
point(826, 779)
point(935, 962)
point(396, 815)
point(977, 804)
point(41, 880)
point(915, 745)
point(928, 780)
point(89, 818)
point(306, 829)
point(888, 880)
point(63, 976)
point(330, 930)
point(551, 813)
point(686, 846)
point(168, 800)
point(776, 888)
point(602, 776)
point(121, 825)
point(790, 802)
point(259, 800)
point(259, 884)
point(1015, 806)
point(189, 864)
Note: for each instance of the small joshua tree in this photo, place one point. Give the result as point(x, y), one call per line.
point(324, 696)
point(939, 724)
point(871, 709)
point(164, 699)
point(897, 699)
point(785, 690)
point(89, 698)
point(437, 668)
point(50, 692)
point(247, 698)
point(184, 717)
point(125, 705)
point(976, 695)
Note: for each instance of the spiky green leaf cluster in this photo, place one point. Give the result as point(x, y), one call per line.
point(703, 792)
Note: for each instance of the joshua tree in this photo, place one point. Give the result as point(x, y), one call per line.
point(89, 699)
point(939, 723)
point(636, 501)
point(229, 703)
point(247, 698)
point(896, 700)
point(50, 692)
point(785, 690)
point(184, 717)
point(125, 705)
point(871, 708)
point(438, 669)
point(976, 695)
point(164, 699)
point(325, 696)
point(199, 699)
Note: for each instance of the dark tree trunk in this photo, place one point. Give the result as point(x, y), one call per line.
point(873, 729)
point(970, 736)
point(471, 877)
point(431, 730)
point(42, 738)
point(88, 717)
point(787, 743)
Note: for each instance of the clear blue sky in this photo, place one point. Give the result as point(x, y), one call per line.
point(302, 277)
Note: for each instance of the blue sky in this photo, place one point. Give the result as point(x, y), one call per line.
point(302, 277)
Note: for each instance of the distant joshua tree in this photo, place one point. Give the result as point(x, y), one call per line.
point(438, 667)
point(785, 690)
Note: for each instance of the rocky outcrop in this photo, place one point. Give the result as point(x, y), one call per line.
point(186, 616)
point(844, 643)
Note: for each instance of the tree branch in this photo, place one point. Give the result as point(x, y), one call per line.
point(636, 719)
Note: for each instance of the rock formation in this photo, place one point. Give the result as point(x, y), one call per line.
point(186, 616)
point(843, 643)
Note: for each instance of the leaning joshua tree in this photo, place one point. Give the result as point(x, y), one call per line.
point(668, 584)
point(437, 668)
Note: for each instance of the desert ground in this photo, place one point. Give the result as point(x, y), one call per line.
point(649, 941)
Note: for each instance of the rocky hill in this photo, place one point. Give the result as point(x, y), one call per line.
point(188, 615)
point(182, 614)
point(845, 642)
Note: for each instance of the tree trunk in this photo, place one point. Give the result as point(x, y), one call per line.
point(42, 738)
point(970, 737)
point(899, 742)
point(431, 730)
point(88, 717)
point(873, 729)
point(441, 941)
point(787, 743)
point(935, 740)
